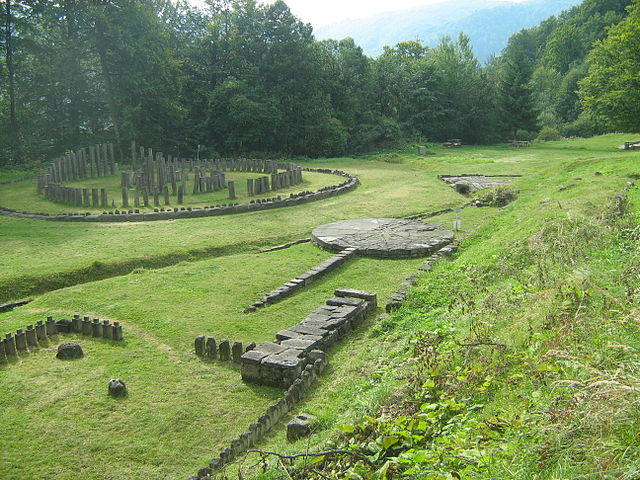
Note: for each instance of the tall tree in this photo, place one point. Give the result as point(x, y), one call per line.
point(611, 90)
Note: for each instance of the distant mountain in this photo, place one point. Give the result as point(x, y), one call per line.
point(489, 23)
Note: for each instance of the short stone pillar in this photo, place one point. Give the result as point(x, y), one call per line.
point(211, 348)
point(200, 345)
point(52, 328)
point(10, 346)
point(85, 326)
point(32, 339)
point(250, 187)
point(103, 198)
point(41, 331)
point(96, 328)
point(107, 330)
point(225, 350)
point(76, 324)
point(3, 353)
point(21, 341)
point(237, 351)
point(180, 195)
point(165, 191)
point(232, 190)
point(117, 331)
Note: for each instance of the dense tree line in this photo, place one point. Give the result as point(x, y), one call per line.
point(244, 77)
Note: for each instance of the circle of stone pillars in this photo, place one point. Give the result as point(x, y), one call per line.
point(383, 237)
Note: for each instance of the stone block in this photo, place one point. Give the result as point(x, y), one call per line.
point(200, 345)
point(211, 348)
point(107, 330)
point(10, 347)
point(236, 351)
point(96, 328)
point(76, 324)
point(349, 293)
point(21, 341)
point(32, 339)
point(224, 349)
point(351, 302)
point(86, 326)
point(41, 331)
point(301, 344)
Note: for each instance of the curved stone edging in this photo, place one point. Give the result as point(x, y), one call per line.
point(350, 184)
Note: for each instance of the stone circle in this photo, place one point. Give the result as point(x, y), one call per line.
point(69, 351)
point(383, 237)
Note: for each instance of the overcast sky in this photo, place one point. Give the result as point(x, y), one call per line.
point(322, 12)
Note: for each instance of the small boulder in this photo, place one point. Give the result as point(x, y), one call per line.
point(117, 388)
point(301, 426)
point(69, 351)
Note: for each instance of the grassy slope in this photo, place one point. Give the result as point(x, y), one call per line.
point(554, 279)
point(180, 409)
point(162, 316)
point(60, 253)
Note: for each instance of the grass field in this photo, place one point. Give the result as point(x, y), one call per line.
point(170, 281)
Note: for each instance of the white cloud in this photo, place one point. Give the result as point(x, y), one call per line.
point(323, 12)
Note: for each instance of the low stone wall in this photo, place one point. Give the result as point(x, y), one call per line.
point(280, 362)
point(351, 183)
point(399, 296)
point(34, 336)
point(303, 280)
point(265, 422)
point(6, 307)
point(294, 361)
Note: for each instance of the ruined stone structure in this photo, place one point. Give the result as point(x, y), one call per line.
point(383, 237)
point(35, 336)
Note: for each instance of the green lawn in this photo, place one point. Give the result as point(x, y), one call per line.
point(170, 281)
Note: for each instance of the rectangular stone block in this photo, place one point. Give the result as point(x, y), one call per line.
point(107, 330)
point(41, 331)
point(85, 326)
point(32, 339)
point(351, 302)
point(21, 341)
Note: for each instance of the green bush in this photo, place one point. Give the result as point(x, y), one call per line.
point(548, 134)
point(524, 135)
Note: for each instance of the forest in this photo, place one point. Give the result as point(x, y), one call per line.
point(245, 78)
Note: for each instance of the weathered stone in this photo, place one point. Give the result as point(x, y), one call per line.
point(200, 345)
point(32, 339)
point(41, 331)
point(69, 351)
point(10, 346)
point(117, 388)
point(21, 341)
point(64, 325)
point(301, 426)
point(383, 237)
point(211, 348)
point(237, 351)
point(224, 349)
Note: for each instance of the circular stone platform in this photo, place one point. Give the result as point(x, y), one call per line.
point(383, 237)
